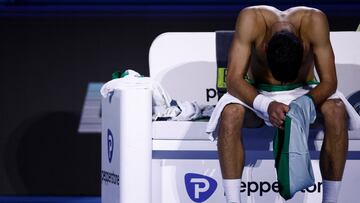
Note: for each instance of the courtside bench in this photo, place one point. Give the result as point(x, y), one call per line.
point(174, 161)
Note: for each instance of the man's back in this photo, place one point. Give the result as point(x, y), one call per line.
point(268, 20)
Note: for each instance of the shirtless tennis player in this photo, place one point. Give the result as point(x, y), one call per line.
point(281, 48)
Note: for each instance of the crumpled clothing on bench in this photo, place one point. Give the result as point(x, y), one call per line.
point(163, 106)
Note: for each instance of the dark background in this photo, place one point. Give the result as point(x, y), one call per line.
point(51, 50)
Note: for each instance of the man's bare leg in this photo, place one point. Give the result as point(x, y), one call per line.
point(230, 148)
point(334, 148)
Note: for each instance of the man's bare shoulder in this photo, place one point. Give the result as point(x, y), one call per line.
point(308, 15)
point(248, 13)
point(249, 23)
point(255, 10)
point(314, 23)
point(303, 9)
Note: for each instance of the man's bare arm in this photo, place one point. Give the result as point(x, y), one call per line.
point(247, 29)
point(239, 57)
point(318, 34)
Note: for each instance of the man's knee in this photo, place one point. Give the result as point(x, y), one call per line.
point(232, 116)
point(233, 112)
point(334, 112)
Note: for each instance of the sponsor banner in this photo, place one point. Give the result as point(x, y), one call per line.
point(110, 145)
point(109, 178)
point(189, 181)
point(199, 187)
point(110, 163)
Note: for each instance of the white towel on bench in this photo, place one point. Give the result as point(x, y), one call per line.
point(281, 96)
point(163, 106)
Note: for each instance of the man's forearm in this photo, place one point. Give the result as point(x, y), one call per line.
point(242, 90)
point(322, 91)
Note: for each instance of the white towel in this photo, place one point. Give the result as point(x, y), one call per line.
point(281, 96)
point(291, 152)
point(160, 98)
point(163, 106)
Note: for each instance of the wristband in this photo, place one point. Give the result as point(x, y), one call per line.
point(261, 103)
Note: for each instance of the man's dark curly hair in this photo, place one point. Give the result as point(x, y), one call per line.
point(284, 56)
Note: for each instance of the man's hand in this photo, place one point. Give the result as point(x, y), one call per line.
point(277, 113)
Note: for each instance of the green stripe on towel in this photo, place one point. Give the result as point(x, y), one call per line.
point(281, 153)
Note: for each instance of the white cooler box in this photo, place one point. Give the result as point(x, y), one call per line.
point(174, 161)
